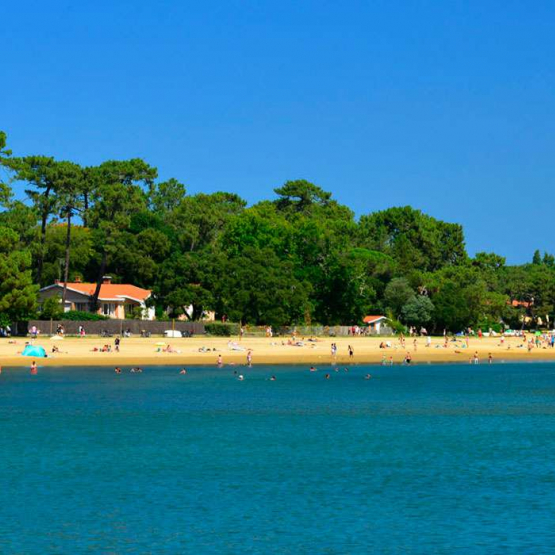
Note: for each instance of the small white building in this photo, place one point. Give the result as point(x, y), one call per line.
point(374, 323)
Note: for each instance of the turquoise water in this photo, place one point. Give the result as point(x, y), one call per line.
point(428, 459)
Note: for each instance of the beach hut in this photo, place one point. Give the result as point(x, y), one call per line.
point(35, 351)
point(375, 323)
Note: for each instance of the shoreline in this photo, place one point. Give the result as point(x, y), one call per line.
point(137, 351)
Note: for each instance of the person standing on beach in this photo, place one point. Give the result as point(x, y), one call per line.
point(249, 357)
point(220, 360)
point(351, 352)
point(34, 368)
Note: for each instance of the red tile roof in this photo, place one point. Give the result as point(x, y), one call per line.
point(516, 303)
point(109, 291)
point(370, 319)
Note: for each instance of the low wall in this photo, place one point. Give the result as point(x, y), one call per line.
point(114, 327)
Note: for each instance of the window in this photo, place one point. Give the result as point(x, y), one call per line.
point(108, 309)
point(82, 307)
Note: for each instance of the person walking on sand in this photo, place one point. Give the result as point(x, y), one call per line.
point(116, 343)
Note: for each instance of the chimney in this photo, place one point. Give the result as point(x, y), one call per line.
point(106, 279)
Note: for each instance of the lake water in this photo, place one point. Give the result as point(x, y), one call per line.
point(428, 459)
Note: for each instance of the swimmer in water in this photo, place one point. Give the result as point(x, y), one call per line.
point(367, 377)
point(346, 369)
point(273, 379)
point(327, 376)
point(117, 370)
point(183, 371)
point(312, 369)
point(240, 377)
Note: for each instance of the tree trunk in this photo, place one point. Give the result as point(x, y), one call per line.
point(66, 269)
point(85, 208)
point(101, 271)
point(44, 220)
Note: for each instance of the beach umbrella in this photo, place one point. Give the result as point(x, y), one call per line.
point(34, 351)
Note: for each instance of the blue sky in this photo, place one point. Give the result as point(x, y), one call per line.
point(446, 106)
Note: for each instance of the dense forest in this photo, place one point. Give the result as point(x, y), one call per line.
point(298, 258)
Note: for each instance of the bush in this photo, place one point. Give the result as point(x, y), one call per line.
point(51, 309)
point(222, 330)
point(485, 326)
point(76, 315)
point(396, 326)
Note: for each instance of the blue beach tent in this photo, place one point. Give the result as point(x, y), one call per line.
point(34, 351)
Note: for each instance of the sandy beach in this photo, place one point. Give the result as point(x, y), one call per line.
point(135, 351)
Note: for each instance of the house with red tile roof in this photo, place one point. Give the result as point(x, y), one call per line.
point(116, 300)
point(375, 322)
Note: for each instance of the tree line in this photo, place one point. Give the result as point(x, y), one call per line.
point(298, 258)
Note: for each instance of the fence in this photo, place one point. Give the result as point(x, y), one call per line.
point(111, 326)
point(332, 331)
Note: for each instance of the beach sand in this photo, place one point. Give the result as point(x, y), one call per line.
point(136, 351)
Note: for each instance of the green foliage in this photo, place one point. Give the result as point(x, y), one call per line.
point(260, 288)
point(221, 329)
point(51, 309)
point(418, 311)
point(77, 315)
point(18, 294)
point(397, 294)
point(416, 240)
point(298, 259)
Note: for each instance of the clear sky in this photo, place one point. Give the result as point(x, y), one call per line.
point(446, 106)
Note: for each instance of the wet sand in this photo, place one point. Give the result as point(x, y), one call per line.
point(137, 351)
